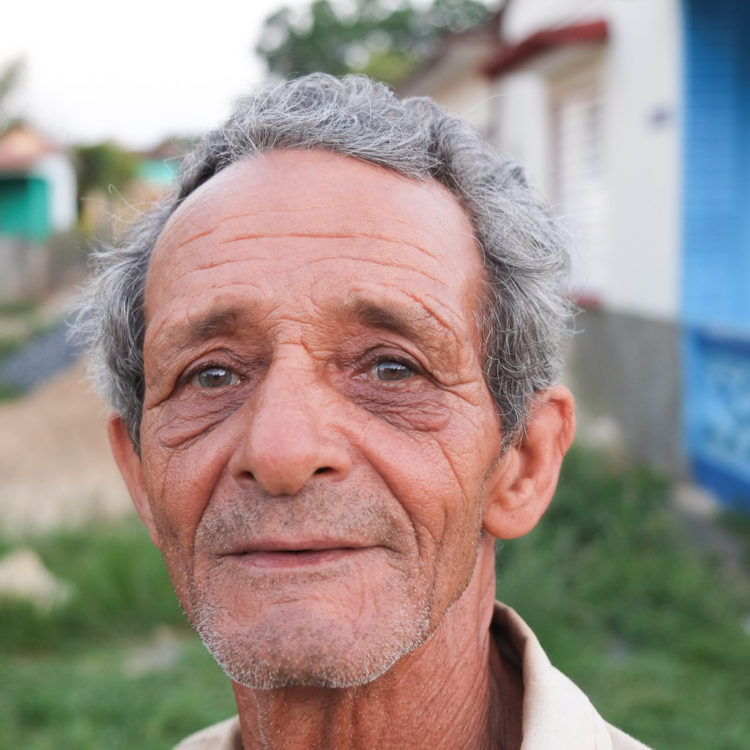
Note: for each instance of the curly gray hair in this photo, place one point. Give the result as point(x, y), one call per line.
point(525, 314)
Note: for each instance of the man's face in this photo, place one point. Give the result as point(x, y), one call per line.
point(316, 429)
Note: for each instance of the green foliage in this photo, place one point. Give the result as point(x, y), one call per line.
point(20, 322)
point(91, 673)
point(9, 392)
point(10, 344)
point(381, 38)
point(738, 522)
point(627, 607)
point(119, 588)
point(91, 698)
point(102, 165)
point(17, 308)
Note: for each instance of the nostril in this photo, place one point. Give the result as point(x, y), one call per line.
point(323, 469)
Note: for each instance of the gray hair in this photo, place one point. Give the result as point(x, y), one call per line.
point(524, 315)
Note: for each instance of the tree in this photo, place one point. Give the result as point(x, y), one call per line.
point(383, 39)
point(103, 164)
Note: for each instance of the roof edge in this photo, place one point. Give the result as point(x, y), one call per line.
point(508, 57)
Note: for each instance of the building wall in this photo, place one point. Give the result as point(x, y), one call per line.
point(26, 269)
point(639, 74)
point(716, 291)
point(58, 172)
point(617, 106)
point(24, 207)
point(524, 17)
point(624, 371)
point(469, 97)
point(455, 81)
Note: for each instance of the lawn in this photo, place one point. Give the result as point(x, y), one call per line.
point(624, 603)
point(117, 666)
point(650, 627)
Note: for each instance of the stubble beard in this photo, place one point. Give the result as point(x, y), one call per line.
point(314, 652)
point(265, 661)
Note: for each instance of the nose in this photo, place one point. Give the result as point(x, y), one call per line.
point(289, 435)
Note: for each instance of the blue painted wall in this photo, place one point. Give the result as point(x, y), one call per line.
point(716, 244)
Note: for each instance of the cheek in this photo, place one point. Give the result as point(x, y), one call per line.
point(415, 409)
point(180, 480)
point(436, 476)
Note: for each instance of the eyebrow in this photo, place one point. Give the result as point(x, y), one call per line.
point(214, 324)
point(416, 325)
point(222, 322)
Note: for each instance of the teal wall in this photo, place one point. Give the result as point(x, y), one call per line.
point(25, 207)
point(156, 172)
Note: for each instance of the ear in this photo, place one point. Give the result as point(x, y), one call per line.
point(521, 485)
point(131, 468)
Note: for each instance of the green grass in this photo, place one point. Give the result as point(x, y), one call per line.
point(119, 589)
point(26, 323)
point(88, 698)
point(738, 523)
point(9, 392)
point(621, 600)
point(18, 308)
point(627, 607)
point(10, 344)
point(23, 320)
point(67, 679)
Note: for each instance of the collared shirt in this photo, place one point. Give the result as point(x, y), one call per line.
point(556, 714)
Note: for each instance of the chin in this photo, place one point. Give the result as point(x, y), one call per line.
point(283, 651)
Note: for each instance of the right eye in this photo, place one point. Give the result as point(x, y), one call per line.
point(215, 376)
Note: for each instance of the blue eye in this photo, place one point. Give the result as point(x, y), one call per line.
point(215, 377)
point(392, 371)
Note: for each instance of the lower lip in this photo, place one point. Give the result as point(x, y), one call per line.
point(305, 559)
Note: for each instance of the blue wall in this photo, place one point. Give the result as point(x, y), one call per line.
point(716, 244)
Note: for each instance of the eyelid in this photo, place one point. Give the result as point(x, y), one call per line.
point(193, 371)
point(379, 354)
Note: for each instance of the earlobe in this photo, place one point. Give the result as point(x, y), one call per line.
point(521, 485)
point(131, 469)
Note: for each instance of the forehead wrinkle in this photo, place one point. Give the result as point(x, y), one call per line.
point(194, 237)
point(330, 236)
point(210, 264)
point(207, 265)
point(336, 213)
point(388, 263)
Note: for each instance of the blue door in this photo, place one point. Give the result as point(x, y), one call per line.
point(716, 240)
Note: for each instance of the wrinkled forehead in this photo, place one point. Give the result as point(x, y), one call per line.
point(324, 224)
point(321, 192)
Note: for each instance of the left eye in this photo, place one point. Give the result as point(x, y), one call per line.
point(391, 371)
point(215, 377)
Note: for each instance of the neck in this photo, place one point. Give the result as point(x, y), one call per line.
point(453, 691)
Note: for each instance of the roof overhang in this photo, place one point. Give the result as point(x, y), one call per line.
point(511, 56)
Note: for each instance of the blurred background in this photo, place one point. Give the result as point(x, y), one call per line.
point(631, 116)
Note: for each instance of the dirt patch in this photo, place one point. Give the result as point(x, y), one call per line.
point(55, 464)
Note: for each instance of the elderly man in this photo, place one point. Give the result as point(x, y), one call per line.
point(331, 357)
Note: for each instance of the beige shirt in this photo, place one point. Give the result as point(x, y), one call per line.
point(556, 714)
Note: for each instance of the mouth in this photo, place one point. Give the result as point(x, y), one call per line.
point(297, 558)
point(284, 556)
